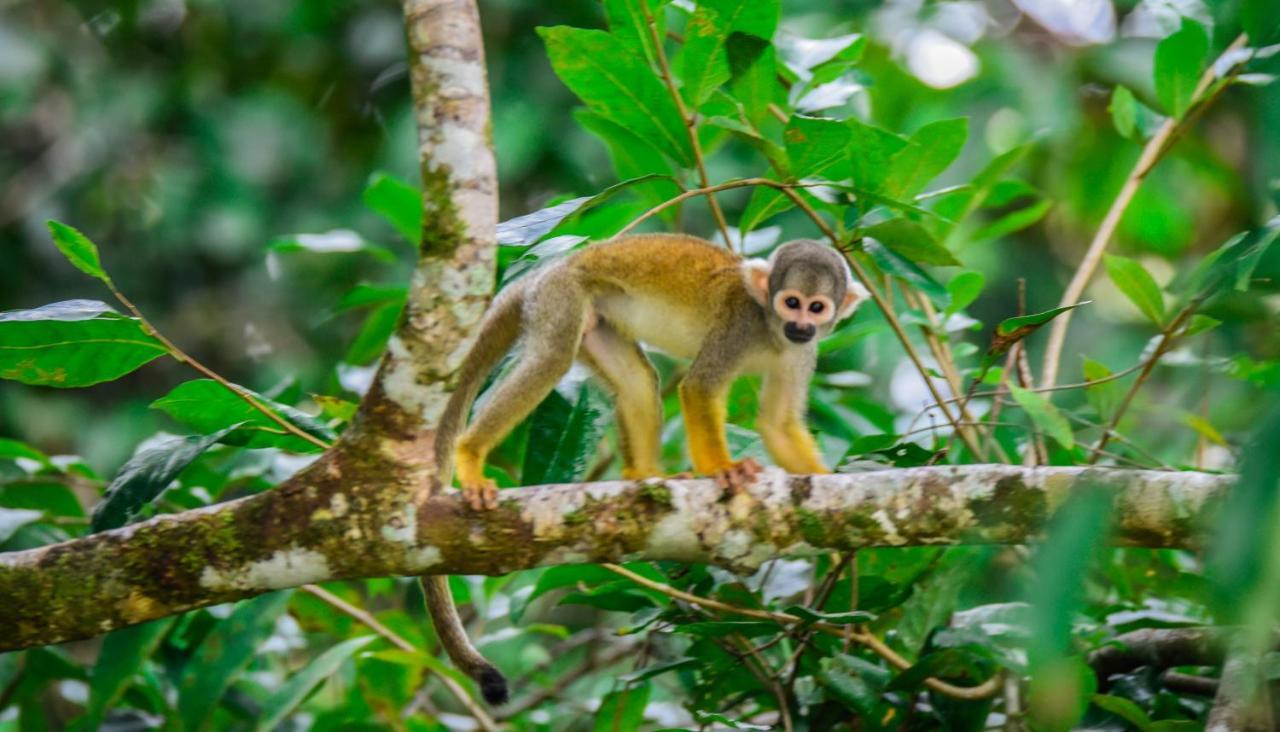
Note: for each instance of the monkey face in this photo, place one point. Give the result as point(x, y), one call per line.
point(802, 314)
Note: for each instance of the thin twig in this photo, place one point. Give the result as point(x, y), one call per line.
point(877, 646)
point(482, 718)
point(182, 356)
point(768, 679)
point(1152, 152)
point(690, 124)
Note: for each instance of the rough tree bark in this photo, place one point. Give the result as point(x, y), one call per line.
point(367, 508)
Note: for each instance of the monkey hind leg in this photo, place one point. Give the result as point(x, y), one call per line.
point(630, 377)
point(554, 316)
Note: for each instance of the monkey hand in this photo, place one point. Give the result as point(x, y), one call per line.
point(738, 475)
point(481, 495)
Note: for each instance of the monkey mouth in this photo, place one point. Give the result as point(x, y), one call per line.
point(798, 334)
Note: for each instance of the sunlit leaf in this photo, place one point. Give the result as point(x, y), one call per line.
point(963, 289)
point(78, 250)
point(207, 407)
point(629, 21)
point(71, 344)
point(1180, 58)
point(930, 151)
point(1138, 285)
point(398, 202)
point(1102, 397)
point(145, 476)
point(706, 61)
point(1124, 111)
point(1045, 415)
point(616, 83)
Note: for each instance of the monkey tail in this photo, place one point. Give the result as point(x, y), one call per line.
point(497, 334)
point(453, 637)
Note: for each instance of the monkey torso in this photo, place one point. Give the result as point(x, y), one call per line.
point(671, 291)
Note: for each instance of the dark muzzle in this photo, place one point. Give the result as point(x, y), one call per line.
point(797, 333)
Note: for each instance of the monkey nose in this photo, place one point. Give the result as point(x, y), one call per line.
point(797, 333)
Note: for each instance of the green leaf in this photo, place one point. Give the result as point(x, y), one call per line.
point(1180, 58)
point(616, 83)
point(1045, 415)
point(963, 289)
point(13, 449)
point(1012, 330)
point(1102, 397)
point(870, 150)
point(706, 61)
point(529, 228)
point(207, 407)
point(930, 151)
point(911, 241)
point(623, 710)
point(78, 250)
point(765, 203)
point(1012, 222)
point(816, 147)
point(365, 294)
point(1124, 111)
point(1138, 285)
point(377, 328)
point(753, 68)
point(225, 651)
point(121, 657)
point(813, 616)
point(398, 202)
point(891, 263)
point(337, 241)
point(580, 437)
point(1261, 19)
point(856, 683)
point(12, 519)
point(71, 344)
point(633, 157)
point(292, 692)
point(627, 20)
point(1229, 266)
point(935, 597)
point(146, 475)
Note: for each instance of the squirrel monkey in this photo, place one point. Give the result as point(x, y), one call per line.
point(685, 296)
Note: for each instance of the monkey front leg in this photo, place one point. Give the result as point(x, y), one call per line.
point(781, 422)
point(704, 418)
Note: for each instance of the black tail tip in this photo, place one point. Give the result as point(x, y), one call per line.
point(493, 686)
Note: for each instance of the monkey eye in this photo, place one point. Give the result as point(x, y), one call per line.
point(793, 303)
point(816, 307)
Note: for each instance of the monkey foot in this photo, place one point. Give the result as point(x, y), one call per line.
point(738, 476)
point(481, 495)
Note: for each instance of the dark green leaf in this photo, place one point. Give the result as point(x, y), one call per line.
point(207, 407)
point(292, 692)
point(937, 595)
point(657, 669)
point(121, 657)
point(378, 326)
point(1124, 111)
point(617, 84)
point(1261, 19)
point(1013, 221)
point(719, 628)
point(623, 710)
point(753, 68)
point(911, 241)
point(581, 436)
point(930, 151)
point(1138, 285)
point(1045, 415)
point(398, 202)
point(1012, 330)
point(223, 654)
point(145, 476)
point(891, 263)
point(78, 250)
point(1180, 58)
point(706, 61)
point(71, 344)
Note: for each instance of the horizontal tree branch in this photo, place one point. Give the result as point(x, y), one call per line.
point(337, 519)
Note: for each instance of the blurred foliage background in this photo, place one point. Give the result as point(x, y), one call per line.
point(231, 160)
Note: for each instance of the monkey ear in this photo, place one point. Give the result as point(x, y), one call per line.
point(854, 294)
point(755, 275)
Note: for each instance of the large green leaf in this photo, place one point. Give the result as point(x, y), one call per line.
point(529, 228)
point(1045, 415)
point(753, 66)
point(226, 650)
point(1138, 285)
point(911, 241)
point(894, 264)
point(77, 248)
point(207, 407)
point(616, 83)
point(72, 343)
point(817, 147)
point(633, 157)
point(292, 692)
point(396, 201)
point(628, 20)
point(1179, 60)
point(963, 289)
point(121, 657)
point(929, 152)
point(706, 61)
point(576, 443)
point(870, 150)
point(145, 476)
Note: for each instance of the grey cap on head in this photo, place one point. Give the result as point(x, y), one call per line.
point(810, 265)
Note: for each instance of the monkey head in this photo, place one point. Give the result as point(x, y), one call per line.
point(805, 288)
